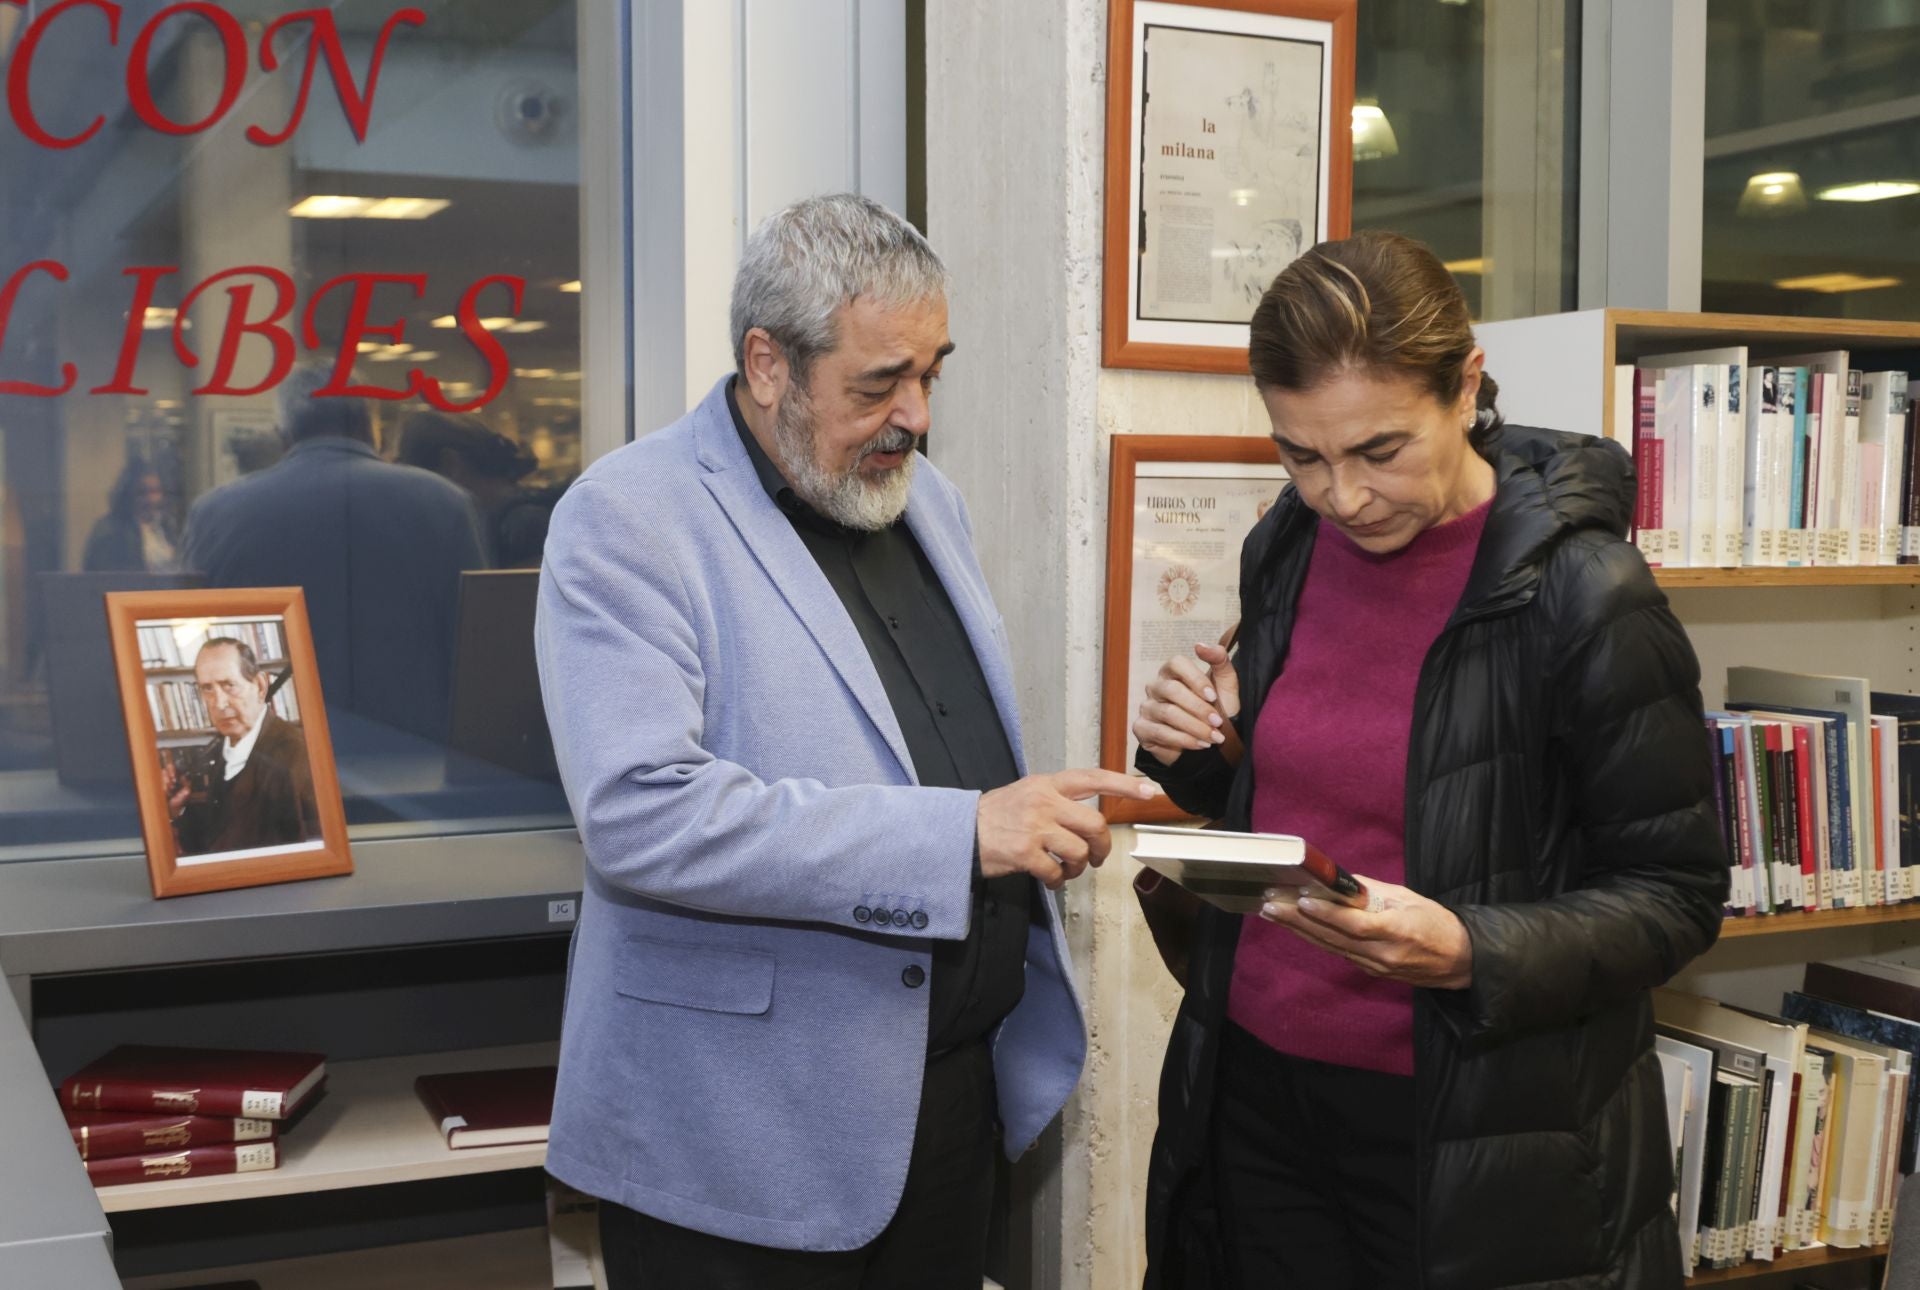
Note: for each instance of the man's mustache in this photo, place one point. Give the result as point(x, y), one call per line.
point(893, 439)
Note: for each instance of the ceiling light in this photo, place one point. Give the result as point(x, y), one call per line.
point(158, 319)
point(1878, 190)
point(1475, 267)
point(1773, 192)
point(1372, 132)
point(518, 326)
point(422, 356)
point(1833, 283)
point(406, 208)
point(535, 373)
point(368, 347)
point(571, 288)
point(330, 206)
point(446, 322)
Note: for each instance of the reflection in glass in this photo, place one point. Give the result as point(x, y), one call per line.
point(1812, 185)
point(1464, 133)
point(415, 241)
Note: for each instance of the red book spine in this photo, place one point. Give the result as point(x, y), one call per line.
point(131, 1095)
point(195, 1162)
point(1815, 895)
point(150, 1134)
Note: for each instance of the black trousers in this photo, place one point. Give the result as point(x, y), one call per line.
point(937, 1239)
point(1313, 1171)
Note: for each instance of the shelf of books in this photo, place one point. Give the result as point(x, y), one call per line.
point(1797, 1261)
point(368, 1128)
point(511, 1260)
point(1792, 1124)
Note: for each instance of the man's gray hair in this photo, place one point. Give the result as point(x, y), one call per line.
point(806, 261)
point(304, 417)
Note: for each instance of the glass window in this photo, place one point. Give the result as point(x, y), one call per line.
point(1465, 136)
point(290, 296)
point(1812, 186)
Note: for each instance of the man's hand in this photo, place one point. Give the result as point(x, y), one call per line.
point(175, 788)
point(1188, 703)
point(1040, 825)
point(1401, 936)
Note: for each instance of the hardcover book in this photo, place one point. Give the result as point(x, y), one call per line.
point(99, 1134)
point(196, 1081)
point(194, 1162)
point(490, 1108)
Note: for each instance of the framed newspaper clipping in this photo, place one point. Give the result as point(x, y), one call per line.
point(1180, 508)
point(1229, 152)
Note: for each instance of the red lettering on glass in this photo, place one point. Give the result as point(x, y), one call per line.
point(358, 329)
point(238, 325)
point(140, 72)
point(146, 278)
point(498, 366)
point(68, 375)
point(326, 40)
point(20, 70)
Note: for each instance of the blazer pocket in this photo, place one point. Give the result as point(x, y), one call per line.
point(695, 976)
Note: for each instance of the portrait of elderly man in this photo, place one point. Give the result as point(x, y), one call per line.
point(259, 785)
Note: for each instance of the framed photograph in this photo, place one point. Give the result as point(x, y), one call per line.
point(1229, 152)
point(232, 765)
point(1179, 509)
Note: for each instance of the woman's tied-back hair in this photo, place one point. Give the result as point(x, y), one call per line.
point(1376, 303)
point(806, 261)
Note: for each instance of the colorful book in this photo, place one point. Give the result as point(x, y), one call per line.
point(196, 1081)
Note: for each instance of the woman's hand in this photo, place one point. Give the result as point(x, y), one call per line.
point(1400, 936)
point(1187, 704)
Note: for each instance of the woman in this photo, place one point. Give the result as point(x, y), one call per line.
point(136, 533)
point(1456, 678)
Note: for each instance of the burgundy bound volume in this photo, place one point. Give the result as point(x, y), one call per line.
point(490, 1108)
point(99, 1134)
point(213, 1082)
point(195, 1162)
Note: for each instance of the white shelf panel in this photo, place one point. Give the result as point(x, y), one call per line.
point(368, 1130)
point(516, 1260)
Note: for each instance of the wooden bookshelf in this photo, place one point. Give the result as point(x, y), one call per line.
point(1793, 1261)
point(1866, 575)
point(512, 1260)
point(1818, 920)
point(367, 1130)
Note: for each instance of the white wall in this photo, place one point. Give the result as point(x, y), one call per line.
point(1015, 112)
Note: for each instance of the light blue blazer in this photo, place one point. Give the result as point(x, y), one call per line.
point(741, 1054)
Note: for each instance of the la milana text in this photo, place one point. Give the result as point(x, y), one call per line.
point(261, 300)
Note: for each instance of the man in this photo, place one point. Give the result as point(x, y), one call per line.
point(260, 788)
point(814, 974)
point(378, 548)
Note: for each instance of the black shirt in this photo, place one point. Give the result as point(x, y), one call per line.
point(953, 732)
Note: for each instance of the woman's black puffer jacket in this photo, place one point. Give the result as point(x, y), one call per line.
point(1559, 801)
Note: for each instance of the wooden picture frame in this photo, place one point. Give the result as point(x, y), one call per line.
point(232, 762)
point(1217, 486)
point(1233, 205)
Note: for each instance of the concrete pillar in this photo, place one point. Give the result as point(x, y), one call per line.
point(1015, 152)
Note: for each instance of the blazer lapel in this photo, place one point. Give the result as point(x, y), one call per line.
point(779, 550)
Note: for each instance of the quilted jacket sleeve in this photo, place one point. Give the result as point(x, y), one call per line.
point(1651, 885)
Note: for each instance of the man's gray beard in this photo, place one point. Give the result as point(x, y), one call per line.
point(847, 498)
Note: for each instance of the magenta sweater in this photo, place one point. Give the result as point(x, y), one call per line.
point(1329, 764)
